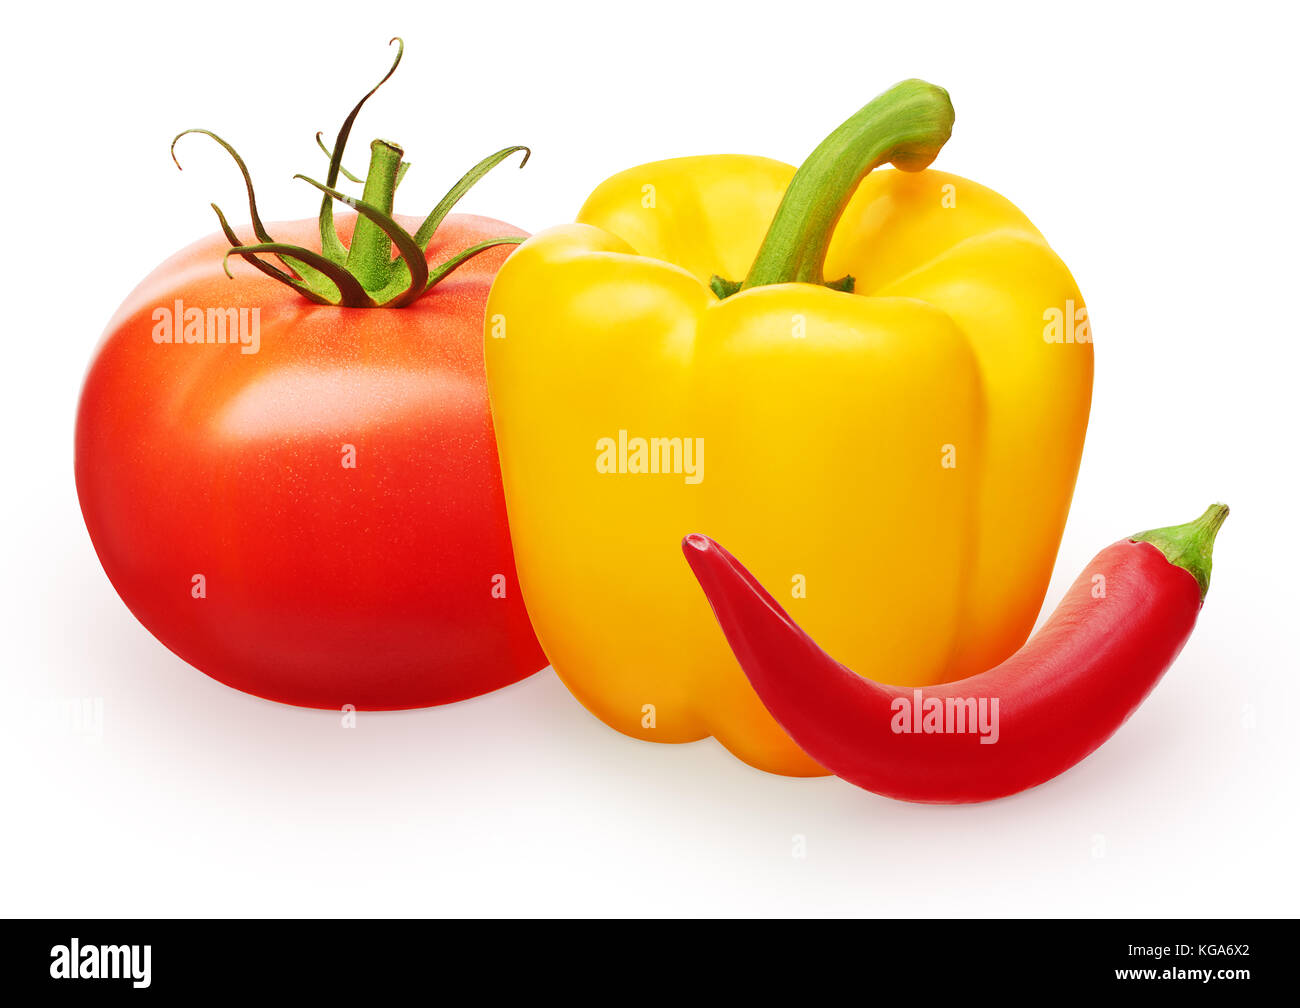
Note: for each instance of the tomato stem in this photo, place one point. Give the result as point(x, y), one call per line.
point(371, 253)
point(364, 275)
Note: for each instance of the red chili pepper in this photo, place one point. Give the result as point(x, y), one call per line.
point(1037, 714)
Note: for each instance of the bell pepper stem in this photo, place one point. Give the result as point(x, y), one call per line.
point(371, 251)
point(1190, 546)
point(906, 126)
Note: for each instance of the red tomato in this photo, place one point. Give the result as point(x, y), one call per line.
point(321, 521)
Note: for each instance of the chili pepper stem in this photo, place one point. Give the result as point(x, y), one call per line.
point(1190, 546)
point(371, 252)
point(905, 126)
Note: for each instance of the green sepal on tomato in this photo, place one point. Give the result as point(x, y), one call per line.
point(285, 458)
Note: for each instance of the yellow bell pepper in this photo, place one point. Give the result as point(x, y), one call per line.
point(897, 446)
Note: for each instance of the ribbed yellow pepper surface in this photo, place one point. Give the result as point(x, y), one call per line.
point(897, 445)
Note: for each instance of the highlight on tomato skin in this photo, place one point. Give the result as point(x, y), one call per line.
point(995, 733)
point(284, 451)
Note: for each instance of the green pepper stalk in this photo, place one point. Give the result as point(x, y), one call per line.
point(906, 127)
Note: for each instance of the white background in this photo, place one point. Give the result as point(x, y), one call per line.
point(1154, 146)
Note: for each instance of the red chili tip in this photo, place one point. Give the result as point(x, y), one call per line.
point(708, 563)
point(713, 566)
point(696, 541)
point(734, 593)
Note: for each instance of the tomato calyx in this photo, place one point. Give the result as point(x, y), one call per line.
point(366, 273)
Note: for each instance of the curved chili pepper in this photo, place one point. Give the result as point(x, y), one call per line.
point(1034, 716)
